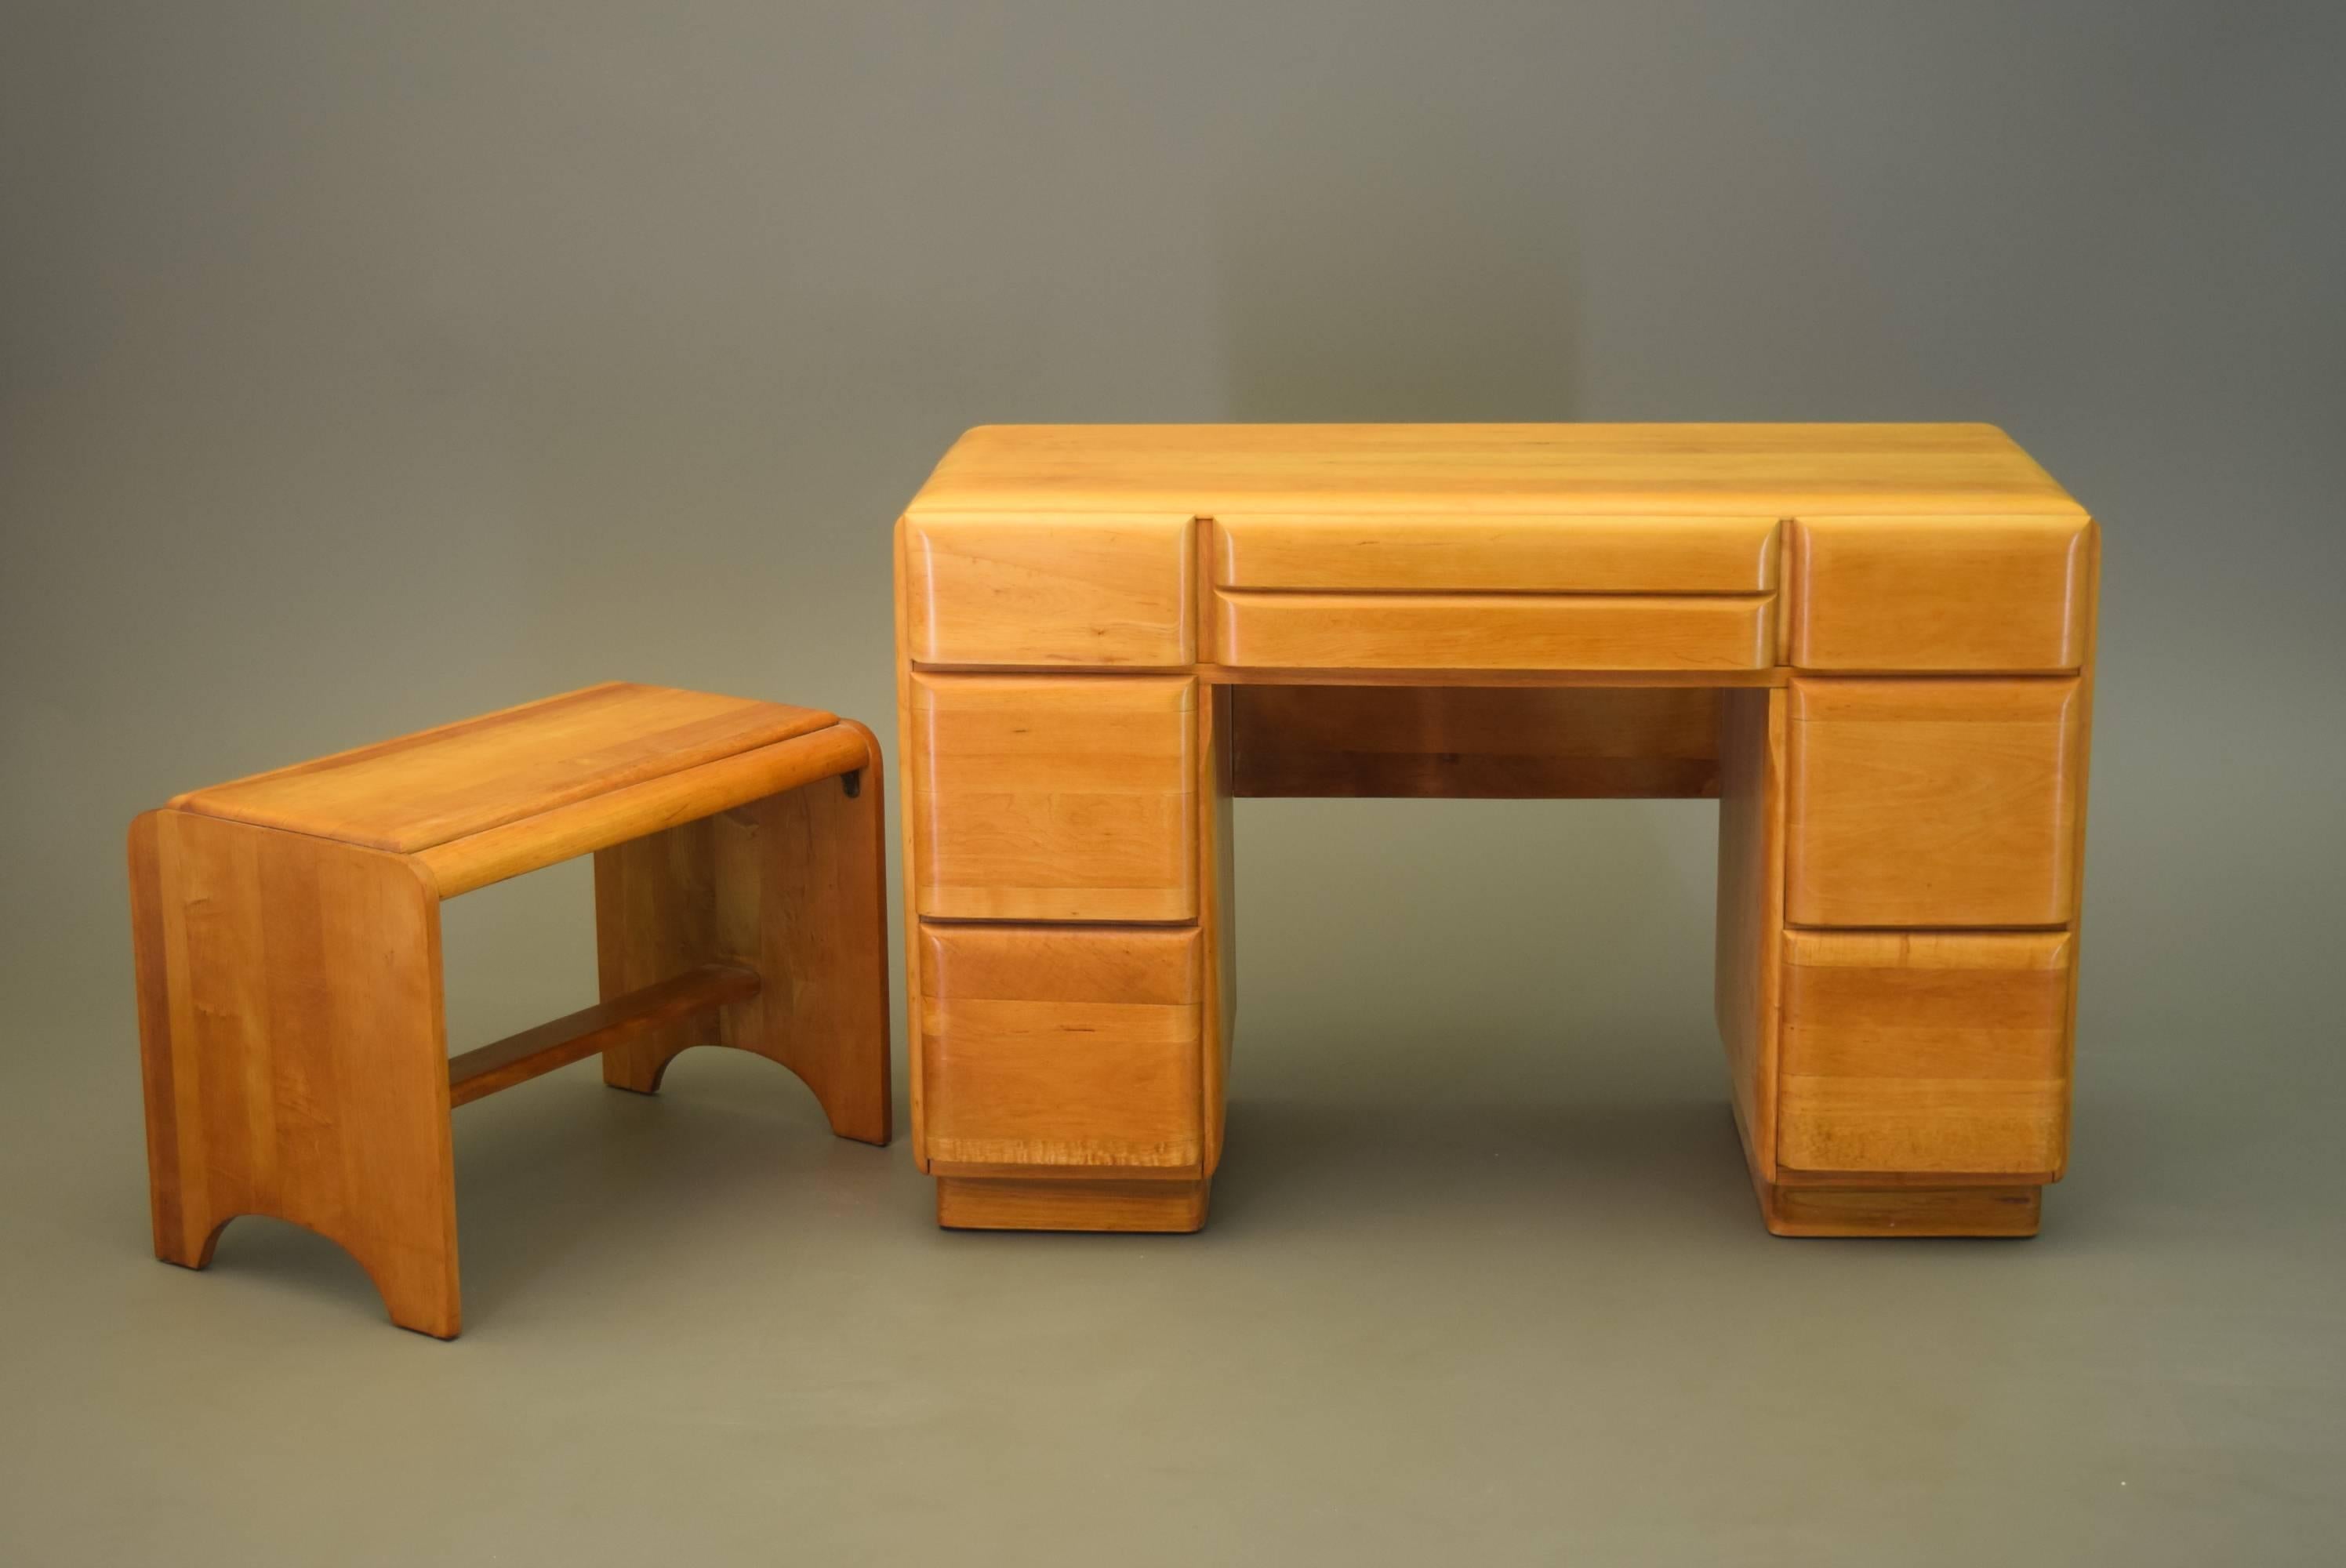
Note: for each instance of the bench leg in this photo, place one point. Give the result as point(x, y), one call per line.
point(790, 887)
point(294, 1051)
point(655, 917)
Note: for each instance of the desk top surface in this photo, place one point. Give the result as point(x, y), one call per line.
point(1691, 470)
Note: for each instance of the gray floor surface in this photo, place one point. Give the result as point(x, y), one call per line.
point(1486, 1293)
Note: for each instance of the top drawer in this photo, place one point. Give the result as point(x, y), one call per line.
point(1556, 554)
point(1941, 594)
point(1079, 591)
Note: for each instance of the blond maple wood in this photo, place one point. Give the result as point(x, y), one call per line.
point(2076, 847)
point(1887, 1204)
point(1549, 610)
point(1090, 591)
point(1939, 593)
point(1048, 1046)
point(158, 1058)
point(788, 887)
point(1054, 797)
point(656, 917)
point(1837, 1211)
point(462, 865)
point(1600, 470)
point(1458, 553)
point(910, 746)
point(1494, 631)
point(1925, 1052)
point(293, 1049)
point(981, 1204)
point(464, 779)
point(590, 1031)
point(1521, 743)
point(1932, 802)
point(1217, 917)
point(1535, 679)
point(1747, 974)
point(295, 1060)
point(1936, 1181)
point(817, 861)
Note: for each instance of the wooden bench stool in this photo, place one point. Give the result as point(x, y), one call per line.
point(287, 929)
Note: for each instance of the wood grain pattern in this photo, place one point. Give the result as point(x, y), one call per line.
point(656, 918)
point(1925, 1052)
point(1939, 593)
point(293, 1051)
point(802, 892)
point(1887, 715)
point(516, 849)
point(965, 1203)
point(1464, 551)
point(1934, 803)
point(908, 748)
point(1062, 1046)
point(2077, 845)
point(1883, 1206)
point(1747, 974)
point(1879, 1212)
point(1217, 912)
point(1559, 470)
point(1492, 631)
point(1513, 743)
point(1532, 679)
point(1053, 798)
point(517, 1058)
point(1093, 591)
point(296, 1065)
point(789, 888)
point(462, 778)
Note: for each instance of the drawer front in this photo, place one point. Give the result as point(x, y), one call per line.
point(1503, 555)
point(1053, 798)
point(1932, 803)
point(1925, 1052)
point(1079, 591)
point(1047, 1047)
point(1266, 630)
point(1941, 594)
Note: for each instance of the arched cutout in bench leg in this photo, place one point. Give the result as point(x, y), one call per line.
point(422, 1300)
point(790, 886)
point(294, 1056)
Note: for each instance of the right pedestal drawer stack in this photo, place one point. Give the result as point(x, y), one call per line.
point(1934, 746)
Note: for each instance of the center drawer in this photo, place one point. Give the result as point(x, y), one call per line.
point(1532, 592)
point(1300, 631)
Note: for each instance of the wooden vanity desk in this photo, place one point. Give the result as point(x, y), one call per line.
point(1872, 643)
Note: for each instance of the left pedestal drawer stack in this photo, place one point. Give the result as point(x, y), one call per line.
point(1055, 844)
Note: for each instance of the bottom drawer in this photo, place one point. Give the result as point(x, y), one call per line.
point(1058, 1046)
point(1925, 1052)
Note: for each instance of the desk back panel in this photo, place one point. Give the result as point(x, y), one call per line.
point(1479, 743)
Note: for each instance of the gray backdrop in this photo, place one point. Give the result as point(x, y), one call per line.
point(362, 367)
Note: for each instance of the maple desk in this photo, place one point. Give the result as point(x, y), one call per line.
point(1871, 643)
